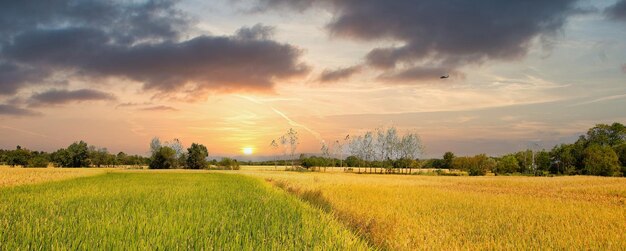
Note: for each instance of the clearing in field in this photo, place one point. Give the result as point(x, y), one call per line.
point(164, 211)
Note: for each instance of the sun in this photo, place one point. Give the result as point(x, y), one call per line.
point(248, 150)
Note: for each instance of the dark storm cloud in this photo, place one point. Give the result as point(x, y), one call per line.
point(445, 34)
point(617, 11)
point(338, 74)
point(57, 97)
point(124, 21)
point(137, 41)
point(13, 76)
point(11, 110)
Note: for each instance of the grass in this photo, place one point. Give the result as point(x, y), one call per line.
point(150, 210)
point(13, 176)
point(429, 212)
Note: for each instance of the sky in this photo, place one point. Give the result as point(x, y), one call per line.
point(238, 74)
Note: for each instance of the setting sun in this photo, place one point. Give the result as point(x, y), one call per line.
point(248, 150)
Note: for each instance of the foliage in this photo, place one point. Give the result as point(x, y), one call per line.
point(448, 157)
point(78, 155)
point(39, 161)
point(607, 135)
point(229, 163)
point(18, 157)
point(163, 158)
point(196, 156)
point(601, 160)
point(476, 166)
point(507, 164)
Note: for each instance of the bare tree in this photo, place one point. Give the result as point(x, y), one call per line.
point(292, 137)
point(274, 146)
point(410, 148)
point(325, 154)
point(155, 145)
point(283, 143)
point(381, 144)
point(368, 147)
point(339, 148)
point(356, 149)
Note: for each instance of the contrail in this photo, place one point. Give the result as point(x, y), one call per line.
point(28, 132)
point(317, 135)
point(600, 100)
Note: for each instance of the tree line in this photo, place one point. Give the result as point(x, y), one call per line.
point(380, 150)
point(78, 154)
point(172, 154)
point(601, 151)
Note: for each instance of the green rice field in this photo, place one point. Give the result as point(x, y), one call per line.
point(165, 211)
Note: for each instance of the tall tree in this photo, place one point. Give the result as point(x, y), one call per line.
point(292, 137)
point(507, 164)
point(448, 157)
point(325, 155)
point(79, 154)
point(607, 135)
point(284, 142)
point(601, 160)
point(163, 158)
point(196, 156)
point(274, 146)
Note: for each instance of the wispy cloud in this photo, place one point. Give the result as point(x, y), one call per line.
point(602, 99)
point(159, 108)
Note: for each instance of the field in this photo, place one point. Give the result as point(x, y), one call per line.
point(130, 210)
point(423, 212)
point(275, 209)
point(21, 176)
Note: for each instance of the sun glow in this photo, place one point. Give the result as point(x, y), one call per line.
point(248, 150)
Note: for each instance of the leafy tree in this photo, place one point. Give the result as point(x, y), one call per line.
point(229, 163)
point(100, 156)
point(61, 158)
point(601, 160)
point(621, 155)
point(448, 157)
point(507, 164)
point(564, 159)
point(39, 161)
point(475, 166)
point(18, 157)
point(76, 155)
point(353, 161)
point(163, 158)
point(196, 156)
point(542, 160)
point(607, 135)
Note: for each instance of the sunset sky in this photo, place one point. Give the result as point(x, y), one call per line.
point(235, 74)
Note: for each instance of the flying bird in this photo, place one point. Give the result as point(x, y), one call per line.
point(446, 76)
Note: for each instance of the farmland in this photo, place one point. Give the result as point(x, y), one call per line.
point(263, 208)
point(22, 176)
point(164, 211)
point(413, 212)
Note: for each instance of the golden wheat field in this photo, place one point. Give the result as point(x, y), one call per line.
point(435, 212)
point(10, 176)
